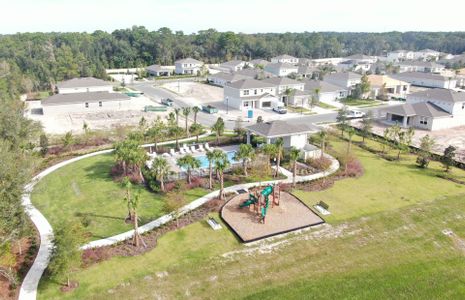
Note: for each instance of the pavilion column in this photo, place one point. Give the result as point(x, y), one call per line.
point(405, 121)
point(248, 137)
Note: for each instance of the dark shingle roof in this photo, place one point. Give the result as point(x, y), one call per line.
point(441, 95)
point(157, 68)
point(188, 60)
point(91, 97)
point(343, 76)
point(82, 82)
point(279, 128)
point(281, 81)
point(250, 84)
point(325, 87)
point(425, 109)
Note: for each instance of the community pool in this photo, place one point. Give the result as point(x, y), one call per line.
point(204, 161)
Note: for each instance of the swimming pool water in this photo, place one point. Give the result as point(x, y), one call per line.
point(204, 161)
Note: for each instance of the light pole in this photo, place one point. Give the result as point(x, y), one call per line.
point(227, 105)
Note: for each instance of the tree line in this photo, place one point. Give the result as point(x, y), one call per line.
point(38, 60)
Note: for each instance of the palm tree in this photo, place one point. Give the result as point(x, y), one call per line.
point(177, 132)
point(269, 150)
point(294, 154)
point(195, 110)
point(189, 162)
point(127, 197)
point(171, 118)
point(130, 156)
point(279, 143)
point(211, 159)
point(289, 93)
point(177, 111)
point(186, 111)
point(196, 129)
point(221, 164)
point(155, 132)
point(134, 203)
point(218, 128)
point(245, 153)
point(350, 132)
point(160, 168)
point(323, 135)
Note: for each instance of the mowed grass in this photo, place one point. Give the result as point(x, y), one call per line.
point(391, 248)
point(384, 185)
point(361, 102)
point(85, 191)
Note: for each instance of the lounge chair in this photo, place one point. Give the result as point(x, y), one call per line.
point(207, 146)
point(201, 148)
point(182, 150)
point(193, 150)
point(186, 149)
point(172, 152)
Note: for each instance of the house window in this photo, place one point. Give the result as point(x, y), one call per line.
point(423, 120)
point(246, 103)
point(100, 103)
point(463, 105)
point(255, 92)
point(246, 92)
point(87, 104)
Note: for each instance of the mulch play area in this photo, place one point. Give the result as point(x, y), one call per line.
point(290, 215)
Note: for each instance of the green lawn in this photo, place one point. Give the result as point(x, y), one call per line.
point(325, 105)
point(85, 189)
point(300, 110)
point(384, 241)
point(361, 102)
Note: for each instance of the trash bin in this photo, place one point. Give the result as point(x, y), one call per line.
point(250, 114)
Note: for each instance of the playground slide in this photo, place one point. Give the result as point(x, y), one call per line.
point(252, 200)
point(266, 192)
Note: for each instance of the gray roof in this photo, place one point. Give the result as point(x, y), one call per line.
point(91, 97)
point(418, 75)
point(344, 76)
point(282, 81)
point(188, 60)
point(279, 128)
point(259, 61)
point(253, 73)
point(82, 82)
point(441, 95)
point(325, 87)
point(157, 68)
point(250, 84)
point(232, 63)
point(228, 76)
point(303, 69)
point(425, 109)
point(281, 65)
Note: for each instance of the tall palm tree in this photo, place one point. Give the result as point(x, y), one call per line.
point(186, 111)
point(188, 162)
point(350, 132)
point(176, 132)
point(279, 143)
point(323, 135)
point(177, 111)
point(128, 196)
point(218, 128)
point(134, 203)
point(244, 153)
point(155, 131)
point(195, 110)
point(196, 130)
point(294, 154)
point(160, 168)
point(270, 151)
point(212, 157)
point(221, 164)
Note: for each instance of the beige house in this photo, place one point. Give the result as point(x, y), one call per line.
point(386, 87)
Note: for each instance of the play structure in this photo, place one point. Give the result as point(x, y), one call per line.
point(261, 200)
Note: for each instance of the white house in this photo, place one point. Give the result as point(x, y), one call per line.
point(249, 94)
point(85, 102)
point(281, 69)
point(427, 80)
point(283, 84)
point(188, 66)
point(426, 54)
point(400, 55)
point(233, 65)
point(285, 59)
point(84, 85)
point(345, 79)
point(419, 66)
point(430, 110)
point(325, 91)
point(157, 70)
point(222, 78)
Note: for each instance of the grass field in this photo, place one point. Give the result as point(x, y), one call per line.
point(384, 240)
point(325, 105)
point(300, 110)
point(361, 102)
point(85, 189)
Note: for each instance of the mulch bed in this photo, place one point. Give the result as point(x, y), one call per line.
point(126, 248)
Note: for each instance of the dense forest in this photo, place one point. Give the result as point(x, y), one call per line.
point(34, 61)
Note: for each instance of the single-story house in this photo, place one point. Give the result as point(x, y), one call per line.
point(85, 102)
point(281, 69)
point(288, 59)
point(233, 65)
point(384, 86)
point(325, 91)
point(293, 135)
point(222, 78)
point(431, 110)
point(188, 66)
point(157, 70)
point(249, 94)
point(84, 85)
point(427, 80)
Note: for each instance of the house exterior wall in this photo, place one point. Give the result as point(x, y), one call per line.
point(81, 108)
point(106, 88)
point(298, 141)
point(292, 61)
point(280, 72)
point(282, 88)
point(247, 98)
point(187, 68)
point(434, 83)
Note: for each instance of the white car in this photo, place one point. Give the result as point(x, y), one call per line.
point(354, 114)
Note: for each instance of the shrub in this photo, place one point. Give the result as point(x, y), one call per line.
point(352, 167)
point(321, 163)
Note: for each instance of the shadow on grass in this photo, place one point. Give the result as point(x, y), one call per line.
point(100, 170)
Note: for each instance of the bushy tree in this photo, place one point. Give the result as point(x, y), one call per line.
point(448, 157)
point(424, 154)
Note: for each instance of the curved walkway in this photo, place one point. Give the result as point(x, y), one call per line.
point(30, 283)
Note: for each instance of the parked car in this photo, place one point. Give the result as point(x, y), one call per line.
point(167, 102)
point(354, 114)
point(280, 110)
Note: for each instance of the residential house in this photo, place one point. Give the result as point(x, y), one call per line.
point(430, 110)
point(345, 79)
point(419, 66)
point(255, 73)
point(305, 71)
point(426, 54)
point(427, 80)
point(400, 55)
point(222, 78)
point(157, 70)
point(327, 61)
point(188, 66)
point(281, 69)
point(324, 91)
point(233, 65)
point(284, 87)
point(85, 102)
point(84, 85)
point(249, 94)
point(256, 63)
point(285, 59)
point(386, 87)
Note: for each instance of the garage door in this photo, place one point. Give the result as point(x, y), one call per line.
point(266, 104)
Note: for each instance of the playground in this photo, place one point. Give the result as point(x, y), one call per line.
point(266, 211)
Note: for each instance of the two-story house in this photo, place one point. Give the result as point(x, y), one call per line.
point(281, 69)
point(427, 80)
point(285, 87)
point(347, 80)
point(249, 94)
point(188, 66)
point(288, 59)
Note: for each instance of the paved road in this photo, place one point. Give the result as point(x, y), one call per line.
point(156, 94)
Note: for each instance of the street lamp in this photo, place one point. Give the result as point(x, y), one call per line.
point(227, 105)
